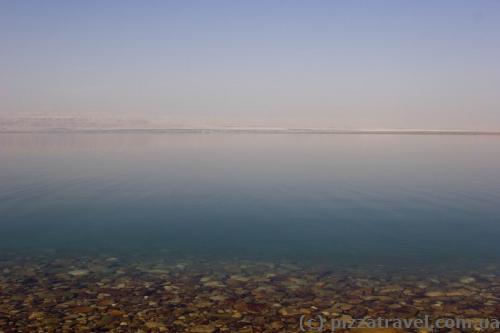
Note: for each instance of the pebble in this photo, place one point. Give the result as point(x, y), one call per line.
point(161, 295)
point(467, 280)
point(78, 272)
point(435, 294)
point(203, 329)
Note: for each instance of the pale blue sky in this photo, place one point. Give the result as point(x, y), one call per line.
point(368, 64)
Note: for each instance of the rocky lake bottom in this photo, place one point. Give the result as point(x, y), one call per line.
point(52, 292)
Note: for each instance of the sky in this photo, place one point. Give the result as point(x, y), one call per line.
point(344, 64)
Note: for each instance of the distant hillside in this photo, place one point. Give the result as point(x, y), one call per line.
point(70, 122)
point(127, 123)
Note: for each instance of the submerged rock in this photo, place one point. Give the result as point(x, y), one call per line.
point(78, 272)
point(467, 280)
point(435, 294)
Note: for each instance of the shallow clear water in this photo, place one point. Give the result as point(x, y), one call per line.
point(329, 198)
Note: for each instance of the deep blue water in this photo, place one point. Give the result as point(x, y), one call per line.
point(331, 198)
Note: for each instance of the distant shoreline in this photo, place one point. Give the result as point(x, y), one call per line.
point(250, 131)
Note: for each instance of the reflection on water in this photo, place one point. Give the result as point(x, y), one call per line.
point(328, 198)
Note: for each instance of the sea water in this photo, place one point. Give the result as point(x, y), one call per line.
point(329, 198)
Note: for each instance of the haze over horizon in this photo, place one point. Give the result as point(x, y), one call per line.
point(318, 64)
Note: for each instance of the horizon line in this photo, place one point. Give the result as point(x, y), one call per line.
point(255, 130)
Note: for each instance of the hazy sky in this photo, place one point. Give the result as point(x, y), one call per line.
point(369, 64)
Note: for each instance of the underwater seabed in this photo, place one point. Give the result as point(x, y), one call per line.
point(50, 291)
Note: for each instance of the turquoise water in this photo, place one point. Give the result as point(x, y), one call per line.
point(310, 197)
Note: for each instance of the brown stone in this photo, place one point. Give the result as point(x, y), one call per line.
point(203, 329)
point(83, 309)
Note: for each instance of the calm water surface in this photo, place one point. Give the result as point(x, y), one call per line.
point(329, 198)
